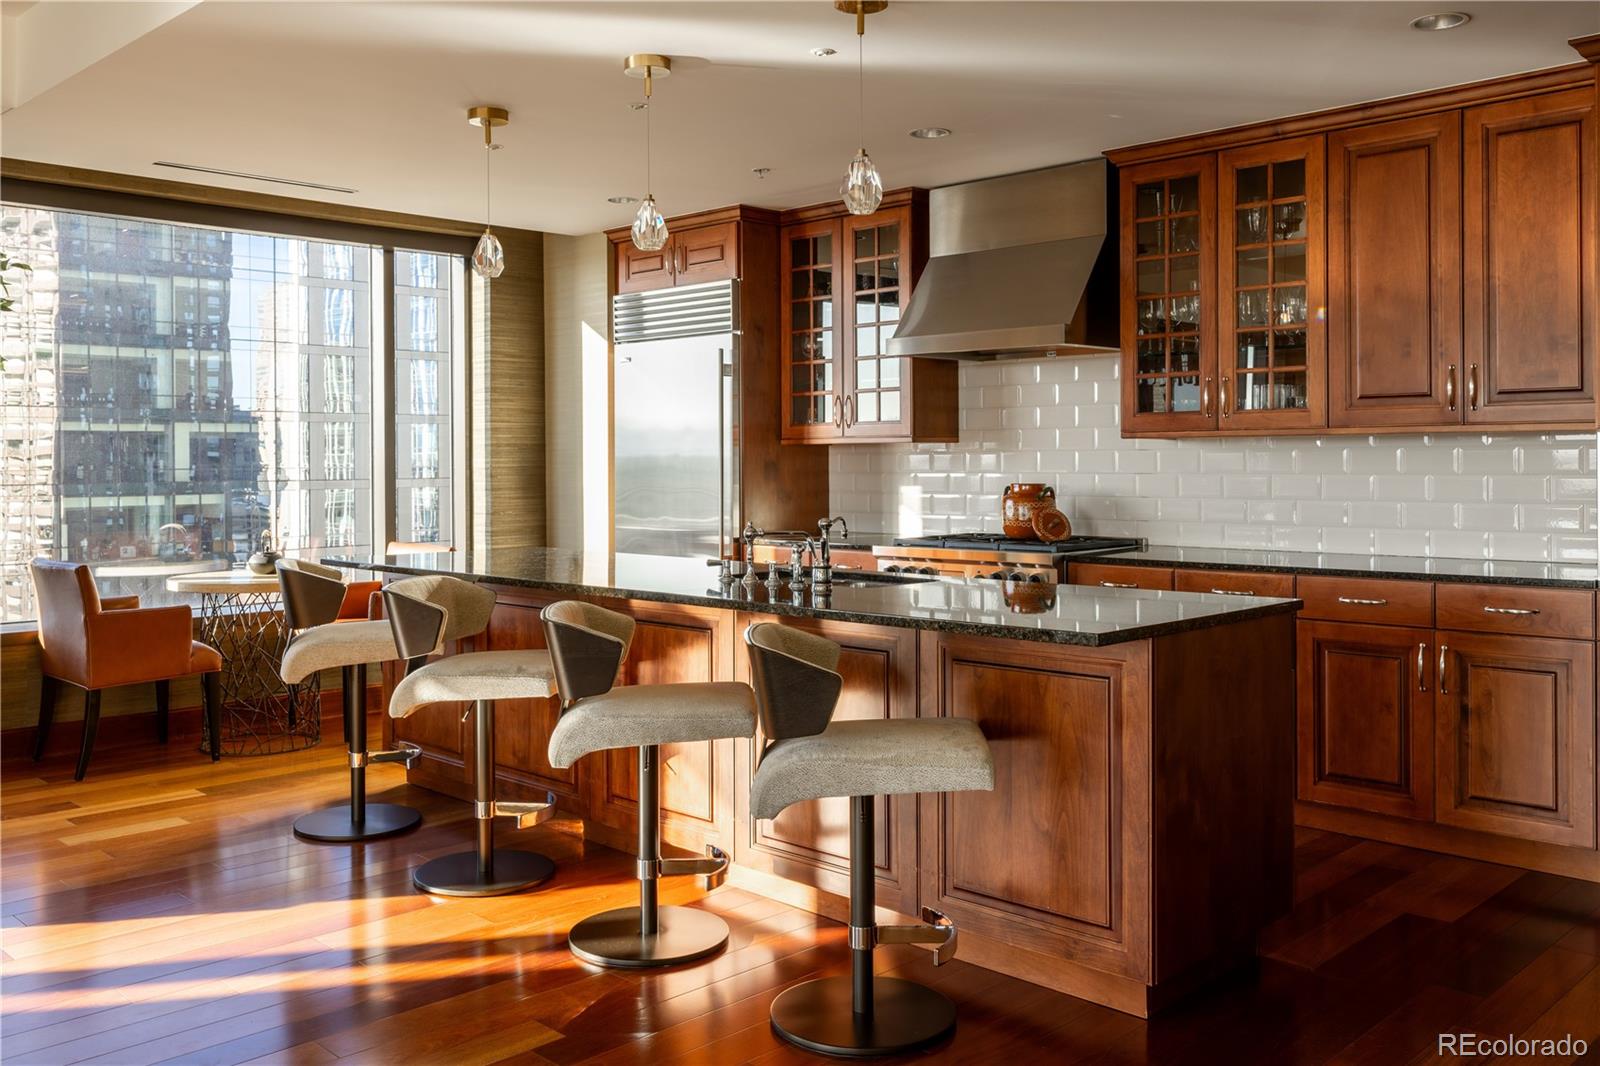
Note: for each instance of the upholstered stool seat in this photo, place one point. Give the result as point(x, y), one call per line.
point(481, 678)
point(639, 716)
point(315, 609)
point(873, 758)
point(809, 756)
point(587, 647)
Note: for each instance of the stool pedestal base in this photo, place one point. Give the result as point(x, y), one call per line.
point(459, 874)
point(905, 1016)
point(683, 934)
point(334, 825)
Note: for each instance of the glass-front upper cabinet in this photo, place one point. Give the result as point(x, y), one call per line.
point(1271, 264)
point(812, 407)
point(874, 402)
point(1169, 381)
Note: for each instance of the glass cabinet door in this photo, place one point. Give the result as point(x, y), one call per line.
point(1272, 264)
point(1169, 362)
point(811, 382)
point(875, 396)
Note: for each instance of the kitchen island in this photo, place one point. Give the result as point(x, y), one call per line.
point(1140, 830)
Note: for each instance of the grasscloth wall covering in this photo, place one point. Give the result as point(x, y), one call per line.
point(1517, 496)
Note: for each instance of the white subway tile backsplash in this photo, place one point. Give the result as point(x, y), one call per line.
point(1514, 497)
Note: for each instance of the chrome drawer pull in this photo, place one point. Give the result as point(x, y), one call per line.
point(1444, 650)
point(1510, 610)
point(1116, 585)
point(1234, 592)
point(1422, 668)
point(1356, 601)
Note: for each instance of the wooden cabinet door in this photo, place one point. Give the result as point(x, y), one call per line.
point(705, 253)
point(1516, 737)
point(1169, 296)
point(1394, 273)
point(1272, 355)
point(812, 352)
point(1528, 254)
point(810, 842)
point(1070, 733)
point(641, 271)
point(1365, 718)
point(875, 287)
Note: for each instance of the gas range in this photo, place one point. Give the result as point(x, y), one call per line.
point(992, 555)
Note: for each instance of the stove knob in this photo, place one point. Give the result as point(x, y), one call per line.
point(1015, 575)
point(997, 575)
point(930, 571)
point(891, 569)
point(1036, 579)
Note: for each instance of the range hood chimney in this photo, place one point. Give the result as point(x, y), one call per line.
point(1020, 266)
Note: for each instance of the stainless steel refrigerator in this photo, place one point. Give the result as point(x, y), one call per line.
point(675, 420)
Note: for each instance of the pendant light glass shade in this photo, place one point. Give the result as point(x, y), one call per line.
point(649, 228)
point(488, 259)
point(862, 190)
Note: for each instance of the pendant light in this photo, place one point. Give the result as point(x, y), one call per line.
point(649, 228)
point(862, 190)
point(488, 259)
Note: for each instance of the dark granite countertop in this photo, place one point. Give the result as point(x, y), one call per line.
point(1403, 567)
point(1071, 615)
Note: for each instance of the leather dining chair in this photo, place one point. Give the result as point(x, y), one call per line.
point(96, 644)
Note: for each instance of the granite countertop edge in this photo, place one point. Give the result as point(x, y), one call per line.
point(900, 621)
point(1164, 556)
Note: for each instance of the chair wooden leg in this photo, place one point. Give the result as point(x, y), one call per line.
point(91, 723)
point(163, 693)
point(48, 688)
point(212, 683)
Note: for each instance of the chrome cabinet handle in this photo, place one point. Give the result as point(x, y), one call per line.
point(1510, 610)
point(1472, 387)
point(1234, 592)
point(1205, 399)
point(849, 412)
point(1422, 667)
point(1450, 387)
point(1357, 601)
point(838, 411)
point(1117, 585)
point(1444, 649)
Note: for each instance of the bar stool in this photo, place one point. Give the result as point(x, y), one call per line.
point(587, 646)
point(482, 677)
point(312, 595)
point(810, 756)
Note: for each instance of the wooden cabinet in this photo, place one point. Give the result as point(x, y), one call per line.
point(1394, 271)
point(1366, 717)
point(1272, 343)
point(846, 279)
point(1107, 575)
point(691, 256)
point(1169, 353)
point(1516, 737)
point(1528, 246)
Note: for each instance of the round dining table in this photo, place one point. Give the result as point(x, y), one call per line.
point(242, 617)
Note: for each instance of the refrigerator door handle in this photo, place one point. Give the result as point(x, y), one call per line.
point(725, 532)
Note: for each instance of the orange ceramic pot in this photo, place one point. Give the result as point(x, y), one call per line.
point(1018, 505)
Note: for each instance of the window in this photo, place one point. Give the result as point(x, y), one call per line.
point(424, 324)
point(174, 392)
point(425, 451)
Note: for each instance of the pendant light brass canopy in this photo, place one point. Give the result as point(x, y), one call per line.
point(649, 230)
point(862, 188)
point(488, 258)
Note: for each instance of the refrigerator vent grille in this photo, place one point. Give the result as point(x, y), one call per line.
point(662, 314)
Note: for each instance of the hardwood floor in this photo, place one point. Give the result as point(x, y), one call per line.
point(161, 912)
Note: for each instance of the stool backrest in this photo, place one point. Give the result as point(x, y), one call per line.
point(427, 611)
point(795, 679)
point(587, 647)
point(312, 593)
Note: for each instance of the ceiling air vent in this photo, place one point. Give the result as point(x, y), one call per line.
point(253, 177)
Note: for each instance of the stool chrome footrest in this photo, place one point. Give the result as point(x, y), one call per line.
point(939, 929)
point(527, 815)
point(712, 871)
point(406, 753)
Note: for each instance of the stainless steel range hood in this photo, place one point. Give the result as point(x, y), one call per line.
point(1019, 266)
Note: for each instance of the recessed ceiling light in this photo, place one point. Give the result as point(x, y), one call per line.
point(823, 53)
point(1444, 20)
point(622, 199)
point(930, 133)
point(638, 105)
point(761, 172)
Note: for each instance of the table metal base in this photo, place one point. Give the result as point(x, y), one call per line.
point(260, 714)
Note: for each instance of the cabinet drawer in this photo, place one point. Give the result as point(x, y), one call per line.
point(1346, 599)
point(1124, 577)
point(1525, 611)
point(1234, 582)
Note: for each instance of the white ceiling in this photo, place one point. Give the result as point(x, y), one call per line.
point(373, 96)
